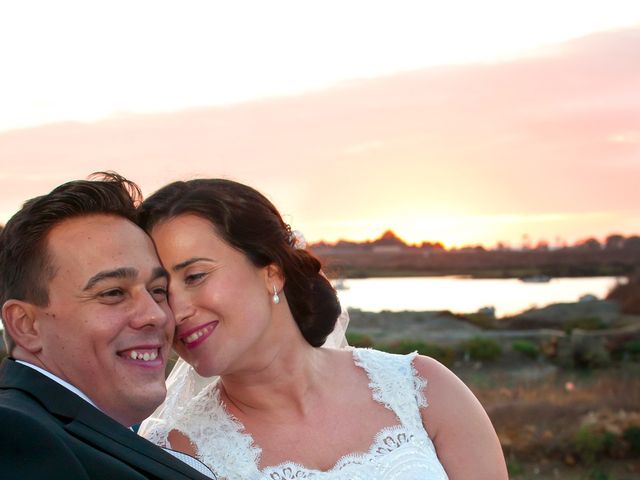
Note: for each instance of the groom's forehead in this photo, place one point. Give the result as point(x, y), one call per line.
point(101, 246)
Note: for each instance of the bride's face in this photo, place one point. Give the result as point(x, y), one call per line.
point(220, 300)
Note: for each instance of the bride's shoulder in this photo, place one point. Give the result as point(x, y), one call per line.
point(441, 382)
point(446, 394)
point(455, 420)
point(432, 370)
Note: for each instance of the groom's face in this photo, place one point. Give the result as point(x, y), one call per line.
point(107, 328)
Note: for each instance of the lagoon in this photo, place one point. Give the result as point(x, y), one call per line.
point(461, 294)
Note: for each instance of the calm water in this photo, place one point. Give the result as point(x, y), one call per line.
point(466, 295)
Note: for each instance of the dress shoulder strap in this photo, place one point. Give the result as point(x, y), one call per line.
point(395, 383)
point(219, 438)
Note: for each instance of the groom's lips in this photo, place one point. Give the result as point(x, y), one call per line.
point(147, 355)
point(195, 336)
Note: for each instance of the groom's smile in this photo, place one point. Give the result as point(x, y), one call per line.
point(149, 356)
point(109, 289)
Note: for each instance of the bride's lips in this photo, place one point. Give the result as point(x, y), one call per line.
point(194, 337)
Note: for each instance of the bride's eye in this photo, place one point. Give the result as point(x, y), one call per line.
point(194, 277)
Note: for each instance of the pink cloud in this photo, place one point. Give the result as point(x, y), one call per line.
point(528, 136)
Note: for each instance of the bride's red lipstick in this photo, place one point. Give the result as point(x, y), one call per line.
point(194, 337)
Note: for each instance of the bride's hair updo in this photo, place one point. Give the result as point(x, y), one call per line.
point(249, 222)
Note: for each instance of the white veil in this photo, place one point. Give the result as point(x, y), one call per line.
point(183, 383)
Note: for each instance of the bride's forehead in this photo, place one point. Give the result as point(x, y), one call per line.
point(185, 220)
point(186, 231)
point(188, 248)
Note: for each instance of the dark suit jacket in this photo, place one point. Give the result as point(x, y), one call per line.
point(48, 432)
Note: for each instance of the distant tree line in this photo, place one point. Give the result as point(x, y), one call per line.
point(389, 255)
point(390, 239)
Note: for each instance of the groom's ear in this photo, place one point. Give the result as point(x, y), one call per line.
point(20, 320)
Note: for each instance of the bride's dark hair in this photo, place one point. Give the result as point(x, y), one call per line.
point(249, 222)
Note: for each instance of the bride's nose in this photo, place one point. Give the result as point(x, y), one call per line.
point(181, 306)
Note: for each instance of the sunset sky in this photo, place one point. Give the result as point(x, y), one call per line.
point(465, 123)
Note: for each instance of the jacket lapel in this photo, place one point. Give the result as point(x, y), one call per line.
point(86, 422)
point(123, 443)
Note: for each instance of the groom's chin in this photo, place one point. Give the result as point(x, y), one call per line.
point(146, 399)
point(153, 397)
point(146, 407)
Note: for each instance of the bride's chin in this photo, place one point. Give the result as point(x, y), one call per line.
point(206, 373)
point(204, 369)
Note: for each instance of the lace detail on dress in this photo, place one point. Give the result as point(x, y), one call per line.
point(395, 383)
point(394, 454)
point(217, 436)
point(403, 451)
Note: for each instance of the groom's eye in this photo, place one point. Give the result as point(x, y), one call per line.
point(159, 294)
point(112, 295)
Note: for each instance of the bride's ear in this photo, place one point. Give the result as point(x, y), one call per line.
point(273, 276)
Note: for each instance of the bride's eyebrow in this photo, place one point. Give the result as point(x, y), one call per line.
point(186, 263)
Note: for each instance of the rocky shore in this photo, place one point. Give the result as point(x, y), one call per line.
point(565, 332)
point(451, 327)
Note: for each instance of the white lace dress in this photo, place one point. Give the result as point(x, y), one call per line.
point(404, 451)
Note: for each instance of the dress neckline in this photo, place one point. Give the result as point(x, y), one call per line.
point(385, 440)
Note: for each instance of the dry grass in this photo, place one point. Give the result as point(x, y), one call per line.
point(538, 421)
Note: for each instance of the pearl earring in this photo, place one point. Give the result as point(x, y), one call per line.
point(275, 299)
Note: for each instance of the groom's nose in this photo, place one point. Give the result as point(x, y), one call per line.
point(150, 312)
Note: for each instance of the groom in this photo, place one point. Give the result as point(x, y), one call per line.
point(88, 330)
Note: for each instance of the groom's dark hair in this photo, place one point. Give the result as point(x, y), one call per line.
point(26, 267)
point(250, 223)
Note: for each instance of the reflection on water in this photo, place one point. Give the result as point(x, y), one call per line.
point(465, 295)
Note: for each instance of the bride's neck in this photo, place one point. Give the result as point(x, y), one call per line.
point(289, 382)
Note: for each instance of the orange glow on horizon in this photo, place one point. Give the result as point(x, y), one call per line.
point(512, 232)
point(463, 150)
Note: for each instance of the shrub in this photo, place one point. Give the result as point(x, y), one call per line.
point(628, 350)
point(514, 468)
point(591, 444)
point(598, 475)
point(632, 348)
point(442, 354)
point(589, 358)
point(359, 340)
point(584, 323)
point(481, 320)
point(526, 347)
point(483, 349)
point(632, 436)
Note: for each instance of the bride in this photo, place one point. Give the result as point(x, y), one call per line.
point(257, 395)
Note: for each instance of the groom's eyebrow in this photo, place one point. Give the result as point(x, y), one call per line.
point(124, 272)
point(186, 263)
